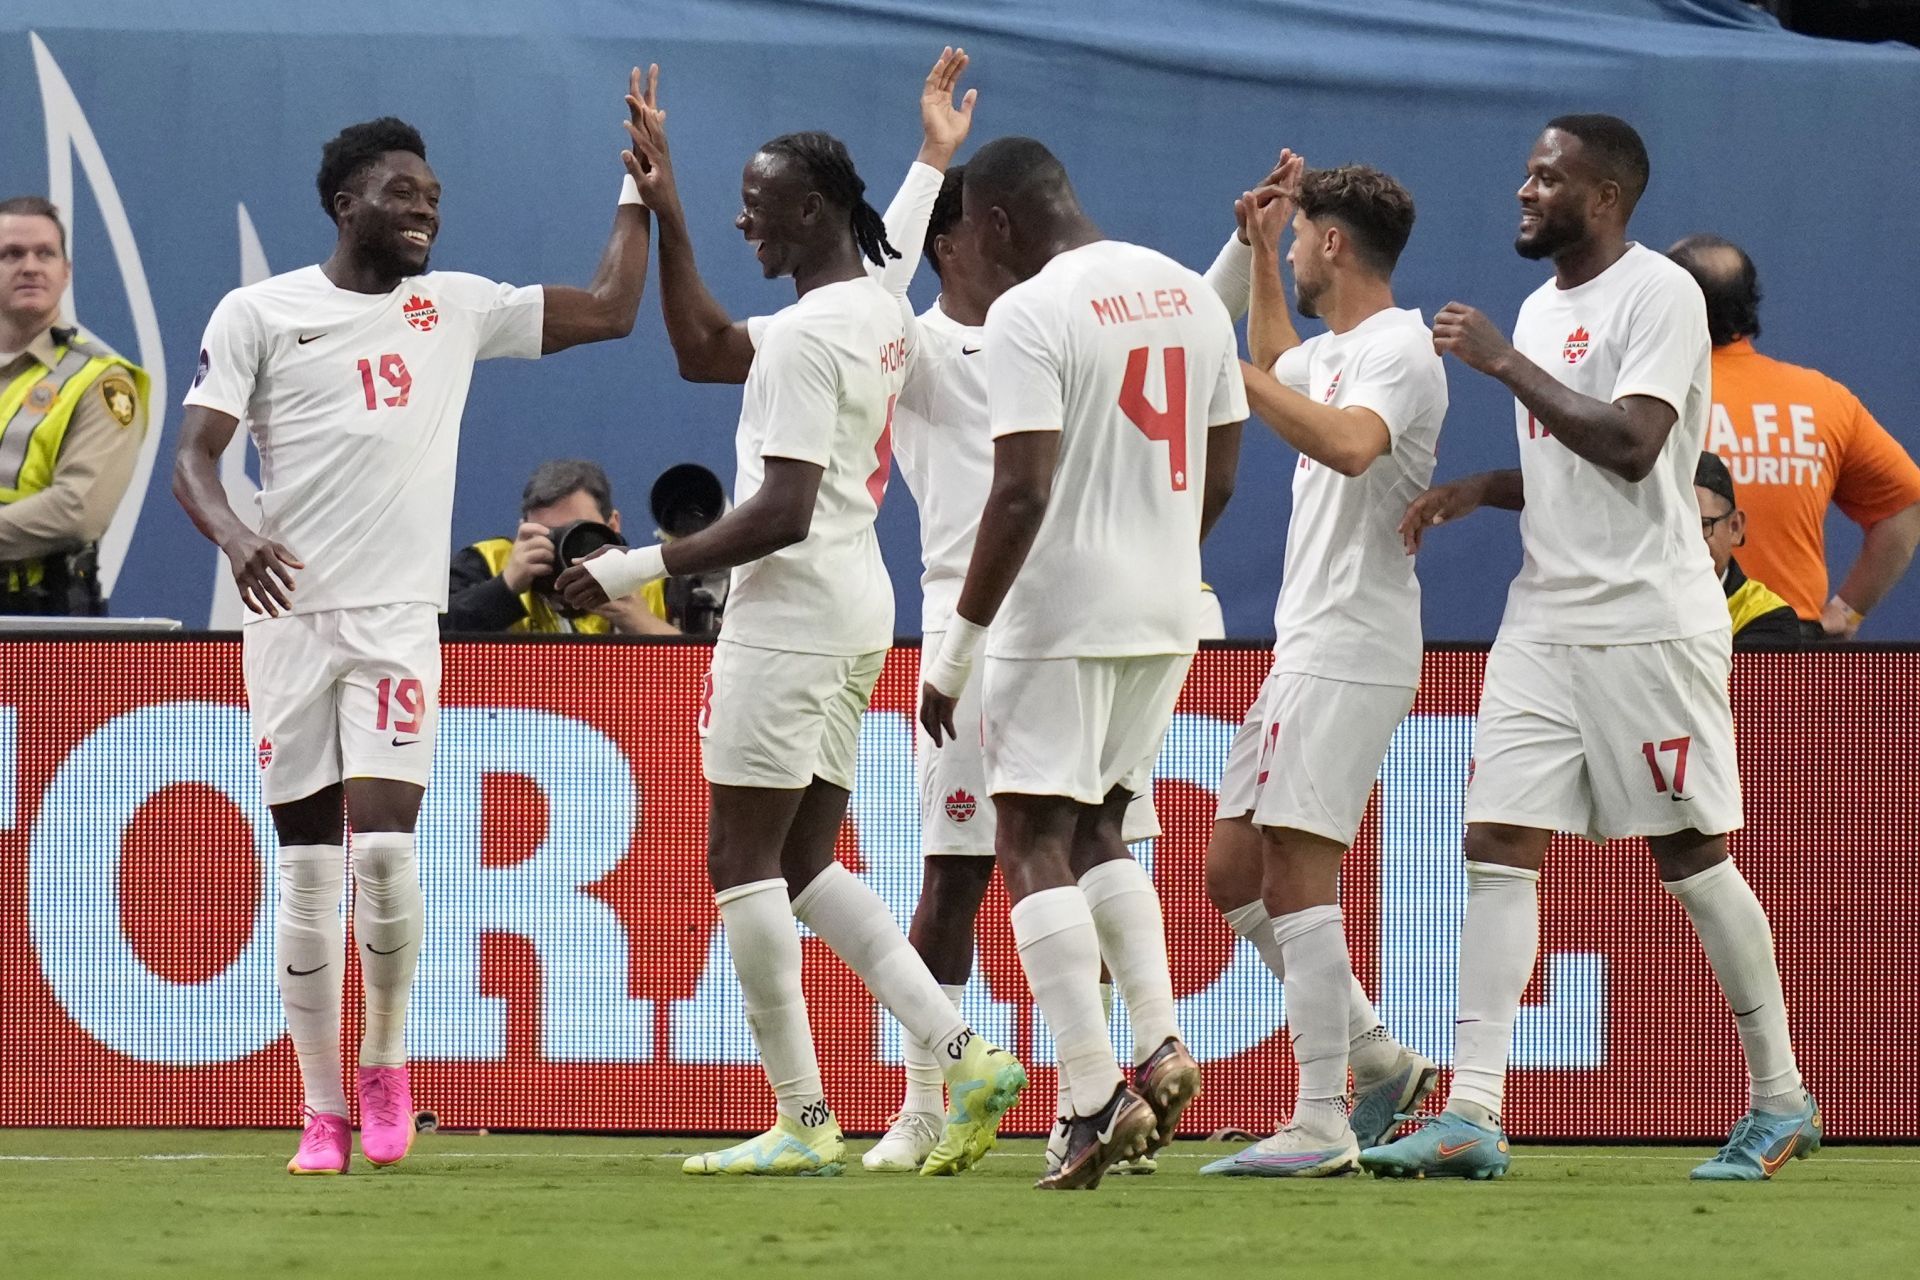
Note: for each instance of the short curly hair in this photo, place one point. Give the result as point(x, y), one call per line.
point(358, 146)
point(1372, 208)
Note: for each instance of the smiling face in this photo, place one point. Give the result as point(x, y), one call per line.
point(1560, 198)
point(33, 269)
point(778, 213)
point(391, 214)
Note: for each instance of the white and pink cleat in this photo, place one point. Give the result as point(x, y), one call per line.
point(325, 1146)
point(386, 1114)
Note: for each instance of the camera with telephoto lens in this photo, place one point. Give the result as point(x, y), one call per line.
point(572, 543)
point(686, 499)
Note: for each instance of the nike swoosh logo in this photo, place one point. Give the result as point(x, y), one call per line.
point(377, 951)
point(970, 351)
point(404, 742)
point(1771, 1167)
point(305, 338)
point(302, 973)
point(1446, 1152)
point(1738, 1013)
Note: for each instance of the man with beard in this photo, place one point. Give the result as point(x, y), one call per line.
point(1362, 403)
point(1604, 710)
point(352, 375)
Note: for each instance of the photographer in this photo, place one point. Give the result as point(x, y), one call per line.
point(504, 584)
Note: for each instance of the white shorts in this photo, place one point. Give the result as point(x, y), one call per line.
point(1607, 741)
point(1308, 752)
point(1077, 727)
point(343, 693)
point(770, 718)
point(956, 816)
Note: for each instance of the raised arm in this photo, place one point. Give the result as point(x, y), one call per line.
point(707, 343)
point(1270, 331)
point(943, 127)
point(606, 307)
point(261, 567)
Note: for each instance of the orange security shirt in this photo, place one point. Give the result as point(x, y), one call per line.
point(1794, 440)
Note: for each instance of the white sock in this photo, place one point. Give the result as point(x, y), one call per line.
point(766, 955)
point(1063, 1096)
point(926, 1087)
point(1499, 941)
point(854, 921)
point(1314, 944)
point(1371, 1049)
point(311, 947)
point(1060, 952)
point(387, 920)
point(1133, 939)
point(1734, 932)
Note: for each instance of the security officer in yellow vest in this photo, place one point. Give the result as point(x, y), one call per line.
point(72, 415)
point(491, 585)
point(1761, 617)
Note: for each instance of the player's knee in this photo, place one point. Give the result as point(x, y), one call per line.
point(1506, 846)
point(384, 857)
point(1233, 877)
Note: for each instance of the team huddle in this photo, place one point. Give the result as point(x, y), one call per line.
point(1067, 415)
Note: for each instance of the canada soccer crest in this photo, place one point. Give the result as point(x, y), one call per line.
point(420, 313)
point(266, 752)
point(1577, 343)
point(961, 807)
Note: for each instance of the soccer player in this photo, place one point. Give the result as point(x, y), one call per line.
point(1115, 401)
point(1363, 403)
point(809, 621)
point(943, 441)
point(352, 376)
point(1605, 709)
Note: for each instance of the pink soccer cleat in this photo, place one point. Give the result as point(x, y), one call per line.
point(324, 1144)
point(386, 1114)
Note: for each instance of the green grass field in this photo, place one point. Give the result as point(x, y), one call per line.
point(173, 1203)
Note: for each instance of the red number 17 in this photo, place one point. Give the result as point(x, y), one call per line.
point(1168, 424)
point(1678, 748)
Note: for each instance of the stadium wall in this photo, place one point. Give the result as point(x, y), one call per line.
point(573, 977)
point(184, 138)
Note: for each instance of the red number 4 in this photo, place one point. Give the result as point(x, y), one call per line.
point(393, 371)
point(1168, 424)
point(1678, 748)
point(403, 705)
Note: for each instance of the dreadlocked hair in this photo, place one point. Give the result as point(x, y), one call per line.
point(831, 170)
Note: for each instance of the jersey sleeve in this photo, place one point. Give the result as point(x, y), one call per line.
point(796, 395)
point(1229, 400)
point(906, 220)
point(1666, 342)
point(1877, 477)
point(1025, 366)
point(1394, 380)
point(507, 319)
point(1294, 369)
point(757, 329)
point(229, 358)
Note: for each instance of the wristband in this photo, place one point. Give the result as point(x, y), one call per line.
point(948, 671)
point(1854, 616)
point(630, 192)
point(621, 571)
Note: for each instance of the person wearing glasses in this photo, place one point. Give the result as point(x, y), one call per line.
point(1761, 616)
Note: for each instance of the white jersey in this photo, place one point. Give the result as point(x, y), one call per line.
point(354, 401)
point(1131, 357)
point(826, 373)
point(1609, 561)
point(1349, 605)
point(945, 450)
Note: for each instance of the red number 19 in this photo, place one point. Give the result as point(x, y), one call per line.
point(393, 370)
point(1168, 424)
point(403, 704)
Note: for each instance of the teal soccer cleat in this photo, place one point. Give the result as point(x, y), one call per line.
point(1380, 1108)
point(1761, 1142)
point(1444, 1146)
